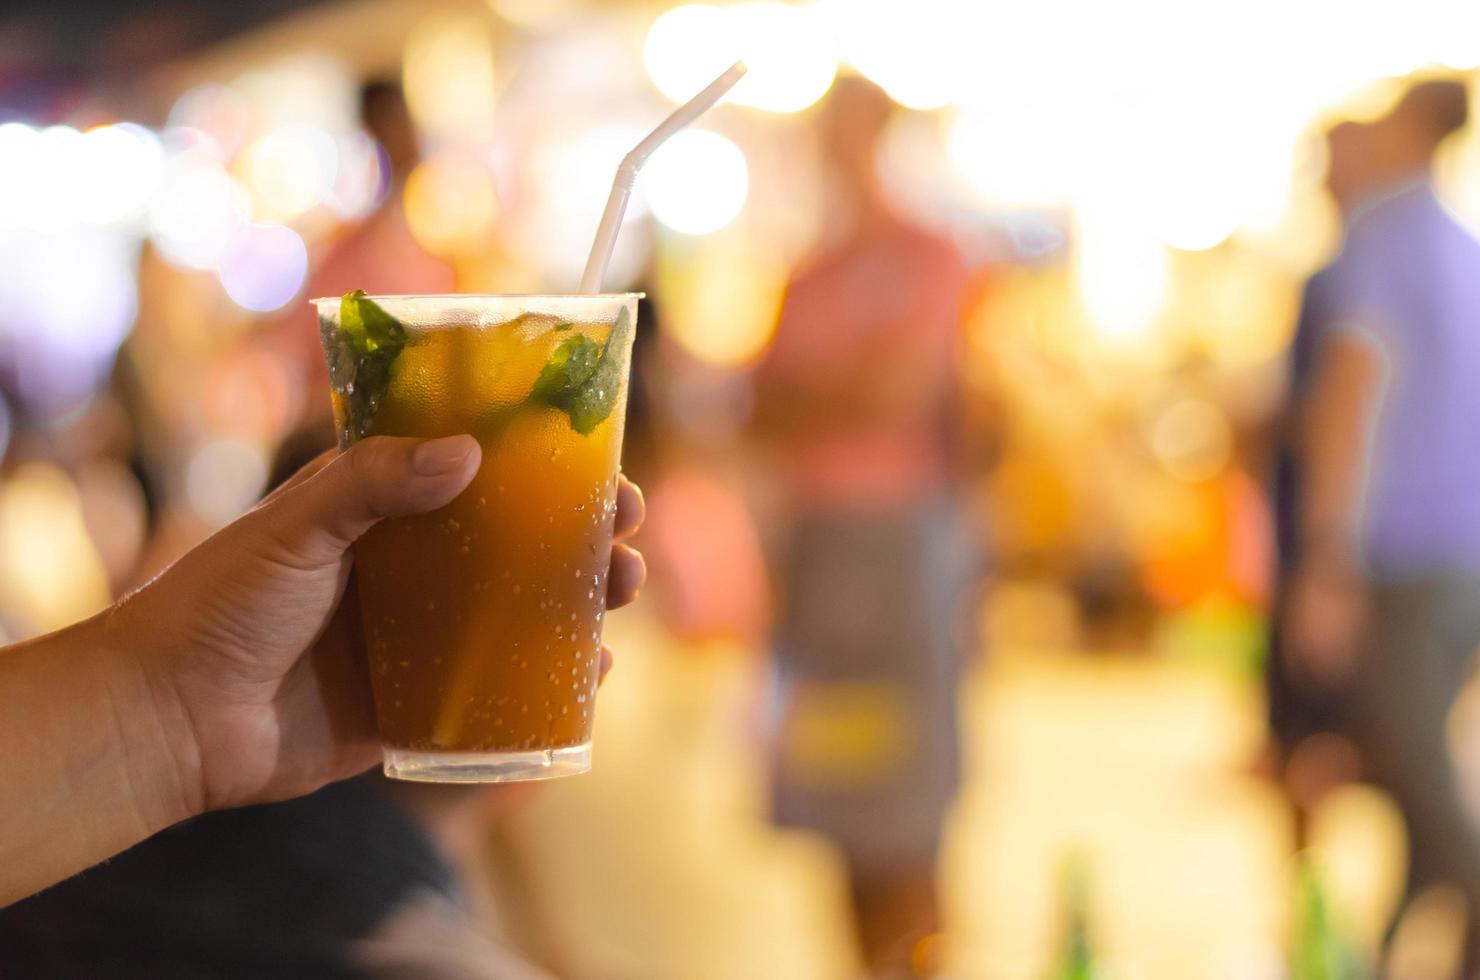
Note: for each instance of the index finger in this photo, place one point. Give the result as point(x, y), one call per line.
point(631, 509)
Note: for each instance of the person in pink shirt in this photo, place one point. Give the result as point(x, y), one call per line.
point(856, 410)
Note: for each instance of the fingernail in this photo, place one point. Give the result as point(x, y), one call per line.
point(438, 456)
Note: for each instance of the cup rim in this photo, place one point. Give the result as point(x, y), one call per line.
point(477, 297)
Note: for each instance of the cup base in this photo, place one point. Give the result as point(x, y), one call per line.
point(486, 767)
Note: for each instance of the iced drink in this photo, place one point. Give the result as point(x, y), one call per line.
point(483, 619)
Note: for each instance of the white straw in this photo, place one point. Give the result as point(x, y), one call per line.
point(616, 204)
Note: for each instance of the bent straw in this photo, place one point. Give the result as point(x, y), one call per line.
point(616, 204)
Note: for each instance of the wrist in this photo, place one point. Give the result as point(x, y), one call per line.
point(160, 754)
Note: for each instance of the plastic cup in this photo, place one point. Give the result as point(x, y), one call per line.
point(483, 619)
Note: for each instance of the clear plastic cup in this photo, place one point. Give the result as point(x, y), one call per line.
point(483, 619)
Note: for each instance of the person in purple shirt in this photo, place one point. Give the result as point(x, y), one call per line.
point(1382, 596)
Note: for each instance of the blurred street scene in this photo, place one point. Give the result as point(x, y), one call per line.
point(1064, 555)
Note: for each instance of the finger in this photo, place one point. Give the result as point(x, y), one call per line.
point(606, 663)
point(305, 471)
point(379, 477)
point(626, 577)
point(631, 509)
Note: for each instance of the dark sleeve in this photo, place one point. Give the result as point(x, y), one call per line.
point(276, 891)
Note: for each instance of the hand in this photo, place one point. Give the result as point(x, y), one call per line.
point(1324, 624)
point(251, 643)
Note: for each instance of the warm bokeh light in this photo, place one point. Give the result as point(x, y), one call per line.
point(721, 301)
point(912, 51)
point(52, 573)
point(449, 77)
point(263, 267)
point(1191, 439)
point(218, 111)
point(125, 163)
point(289, 170)
point(450, 203)
point(1014, 155)
point(360, 183)
point(696, 183)
point(1122, 278)
point(224, 478)
point(789, 50)
point(198, 211)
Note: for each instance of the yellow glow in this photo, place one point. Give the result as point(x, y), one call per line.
point(1013, 154)
point(53, 573)
point(789, 51)
point(1122, 278)
point(289, 170)
point(721, 299)
point(449, 77)
point(696, 183)
point(1191, 439)
point(537, 15)
point(450, 203)
point(1458, 46)
point(914, 51)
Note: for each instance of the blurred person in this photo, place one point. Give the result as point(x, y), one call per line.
point(1383, 594)
point(855, 405)
point(1313, 725)
point(380, 250)
point(235, 679)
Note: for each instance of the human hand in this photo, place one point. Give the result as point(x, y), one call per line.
point(251, 642)
point(1327, 615)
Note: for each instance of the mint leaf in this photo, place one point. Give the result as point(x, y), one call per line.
point(569, 367)
point(590, 400)
point(370, 328)
point(361, 348)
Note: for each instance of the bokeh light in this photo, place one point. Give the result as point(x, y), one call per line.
point(449, 77)
point(224, 478)
point(571, 174)
point(1122, 278)
point(217, 111)
point(696, 183)
point(289, 170)
point(198, 211)
point(722, 299)
point(1191, 439)
point(361, 181)
point(66, 302)
point(789, 51)
point(912, 51)
point(450, 203)
point(1014, 154)
point(19, 157)
point(263, 267)
point(52, 573)
point(125, 162)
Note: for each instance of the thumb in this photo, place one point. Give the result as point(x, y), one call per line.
point(382, 476)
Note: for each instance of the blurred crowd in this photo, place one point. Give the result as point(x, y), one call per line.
point(897, 428)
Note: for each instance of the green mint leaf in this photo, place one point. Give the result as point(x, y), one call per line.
point(370, 328)
point(589, 403)
point(362, 347)
point(569, 367)
point(563, 326)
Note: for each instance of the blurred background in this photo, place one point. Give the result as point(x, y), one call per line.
point(1099, 217)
